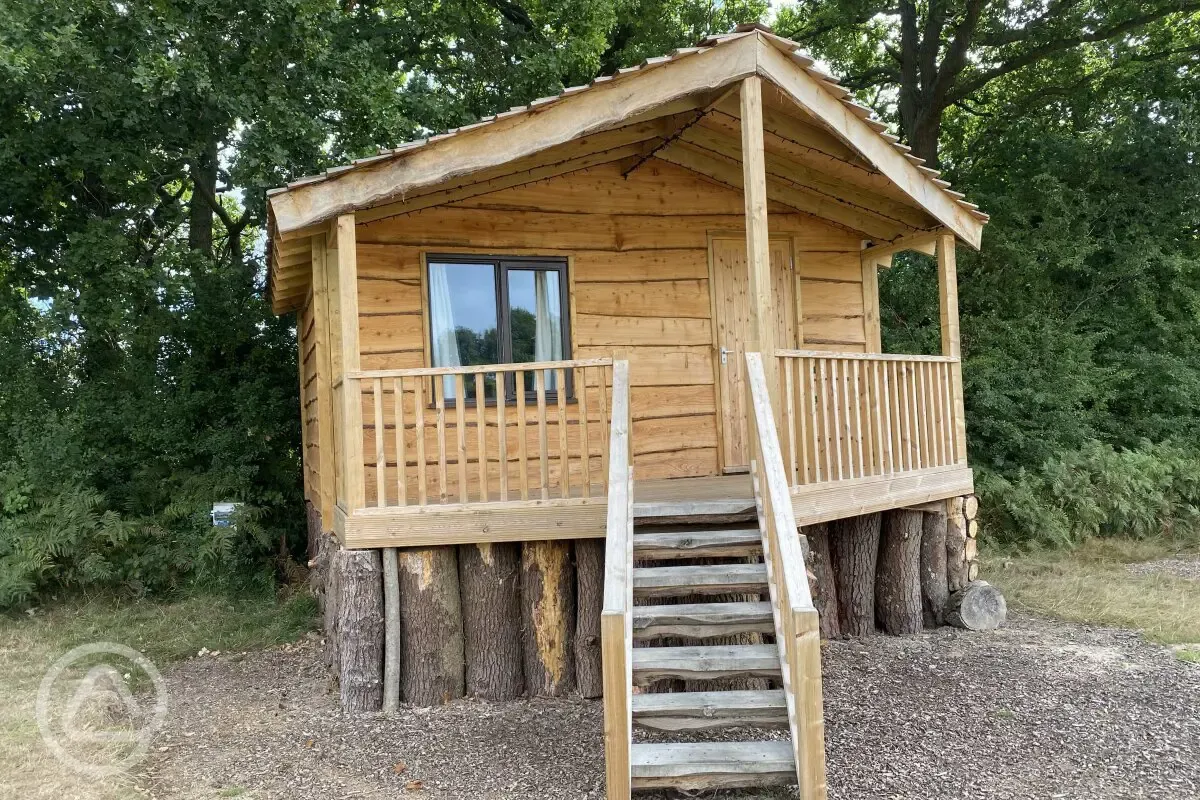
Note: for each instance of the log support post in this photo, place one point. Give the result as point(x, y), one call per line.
point(431, 636)
point(898, 578)
point(359, 629)
point(490, 579)
point(854, 546)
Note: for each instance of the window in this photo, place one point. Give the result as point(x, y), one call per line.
point(485, 310)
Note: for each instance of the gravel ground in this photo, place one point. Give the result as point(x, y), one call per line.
point(1179, 567)
point(1037, 710)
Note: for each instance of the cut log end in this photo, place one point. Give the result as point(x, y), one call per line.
point(978, 607)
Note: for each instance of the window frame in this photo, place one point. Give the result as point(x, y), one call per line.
point(501, 264)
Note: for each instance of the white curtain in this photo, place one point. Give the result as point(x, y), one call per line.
point(441, 314)
point(547, 334)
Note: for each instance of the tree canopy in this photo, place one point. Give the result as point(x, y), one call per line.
point(144, 377)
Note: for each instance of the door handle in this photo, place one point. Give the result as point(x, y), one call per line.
point(724, 355)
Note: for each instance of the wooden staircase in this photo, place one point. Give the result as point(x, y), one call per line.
point(696, 765)
point(752, 586)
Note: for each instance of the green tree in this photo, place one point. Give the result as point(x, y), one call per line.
point(921, 59)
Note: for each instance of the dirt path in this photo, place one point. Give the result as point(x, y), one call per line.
point(1038, 710)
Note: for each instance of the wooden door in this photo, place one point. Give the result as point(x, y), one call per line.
point(731, 305)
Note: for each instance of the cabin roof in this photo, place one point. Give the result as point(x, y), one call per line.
point(654, 95)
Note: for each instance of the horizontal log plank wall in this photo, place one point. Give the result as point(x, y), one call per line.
point(639, 288)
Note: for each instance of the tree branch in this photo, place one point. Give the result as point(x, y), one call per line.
point(1052, 48)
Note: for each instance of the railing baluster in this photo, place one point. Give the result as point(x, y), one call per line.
point(834, 380)
point(460, 426)
point(949, 433)
point(380, 450)
point(935, 401)
point(523, 446)
point(422, 489)
point(827, 439)
point(539, 378)
point(789, 406)
point(401, 447)
point(481, 436)
point(585, 449)
point(901, 444)
point(915, 426)
point(605, 428)
point(800, 366)
point(440, 417)
point(886, 413)
point(564, 452)
point(502, 433)
point(858, 423)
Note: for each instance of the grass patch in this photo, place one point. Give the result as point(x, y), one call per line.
point(1092, 584)
point(163, 632)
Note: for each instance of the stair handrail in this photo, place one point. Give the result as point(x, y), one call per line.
point(797, 626)
point(616, 620)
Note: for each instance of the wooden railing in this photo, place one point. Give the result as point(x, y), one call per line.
point(616, 621)
point(857, 415)
point(797, 627)
point(479, 434)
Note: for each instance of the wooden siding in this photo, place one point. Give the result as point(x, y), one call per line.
point(306, 331)
point(639, 280)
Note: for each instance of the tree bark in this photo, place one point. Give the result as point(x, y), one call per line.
point(200, 214)
point(391, 630)
point(957, 566)
point(589, 571)
point(332, 588)
point(898, 580)
point(854, 545)
point(821, 579)
point(431, 634)
point(360, 630)
point(548, 617)
point(977, 607)
point(489, 575)
point(934, 588)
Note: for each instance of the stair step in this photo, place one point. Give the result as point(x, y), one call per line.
point(705, 663)
point(698, 544)
point(712, 765)
point(702, 620)
point(706, 579)
point(699, 711)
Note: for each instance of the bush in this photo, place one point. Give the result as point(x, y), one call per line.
point(1145, 491)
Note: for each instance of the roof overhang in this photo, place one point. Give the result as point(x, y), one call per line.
point(614, 115)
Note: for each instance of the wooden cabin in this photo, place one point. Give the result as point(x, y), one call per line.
point(649, 300)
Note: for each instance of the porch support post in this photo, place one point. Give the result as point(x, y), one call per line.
point(352, 440)
point(948, 302)
point(325, 410)
point(761, 334)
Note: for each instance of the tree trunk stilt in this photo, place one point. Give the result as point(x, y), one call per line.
point(934, 588)
point(360, 630)
point(821, 579)
point(431, 626)
point(548, 617)
point(489, 575)
point(898, 580)
point(589, 571)
point(854, 545)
